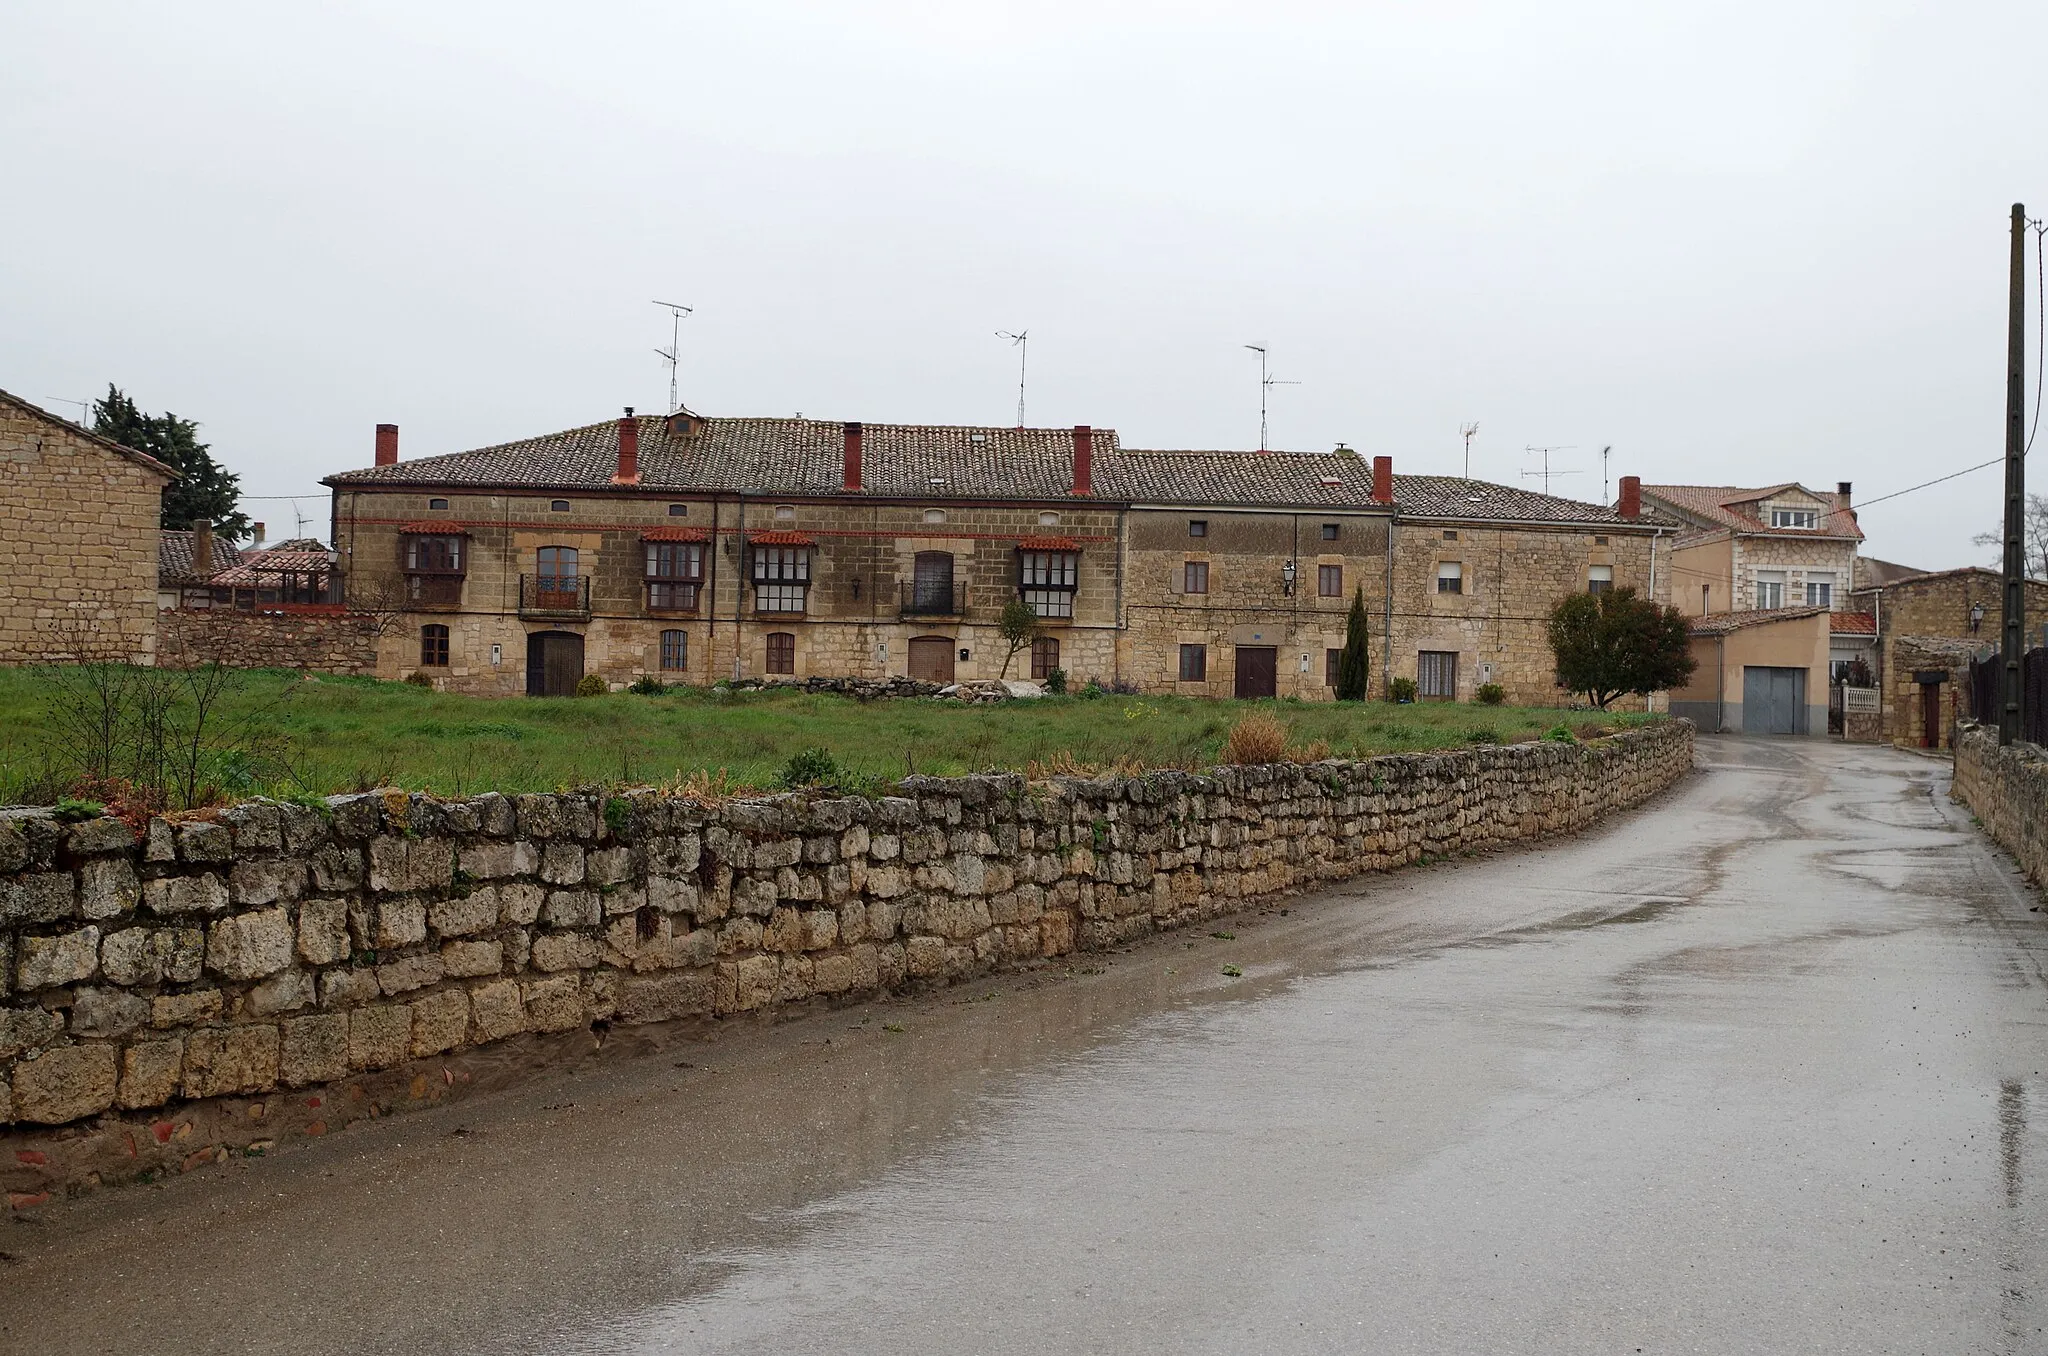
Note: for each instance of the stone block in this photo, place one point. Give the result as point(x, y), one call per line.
point(266, 880)
point(565, 951)
point(758, 976)
point(250, 945)
point(338, 868)
point(662, 997)
point(562, 864)
point(96, 836)
point(170, 1010)
point(833, 974)
point(108, 888)
point(347, 988)
point(460, 917)
point(672, 896)
point(27, 1029)
point(467, 960)
point(784, 931)
point(401, 864)
point(224, 1061)
point(38, 897)
point(47, 962)
point(440, 1021)
point(287, 991)
point(520, 903)
point(159, 843)
point(574, 909)
point(65, 1084)
point(609, 866)
point(821, 929)
point(497, 1010)
point(106, 1012)
point(400, 922)
point(323, 931)
point(409, 973)
point(555, 1004)
point(379, 1036)
point(199, 841)
point(150, 1071)
point(925, 957)
point(175, 896)
point(13, 846)
point(673, 856)
point(314, 1050)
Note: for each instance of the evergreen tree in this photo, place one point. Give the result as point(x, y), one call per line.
point(204, 488)
point(1354, 662)
point(1612, 643)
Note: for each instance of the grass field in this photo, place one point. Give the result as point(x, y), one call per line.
point(279, 733)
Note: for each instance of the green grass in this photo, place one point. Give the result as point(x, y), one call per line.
point(336, 734)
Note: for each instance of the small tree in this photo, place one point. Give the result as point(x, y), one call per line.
point(203, 489)
point(1354, 662)
point(1019, 626)
point(1614, 643)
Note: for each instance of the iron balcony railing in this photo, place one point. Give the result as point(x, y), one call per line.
point(934, 600)
point(554, 595)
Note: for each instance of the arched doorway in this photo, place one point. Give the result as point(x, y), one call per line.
point(931, 659)
point(554, 663)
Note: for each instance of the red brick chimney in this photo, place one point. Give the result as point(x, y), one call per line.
point(1383, 480)
point(1631, 505)
point(1084, 459)
point(853, 467)
point(202, 547)
point(629, 450)
point(387, 444)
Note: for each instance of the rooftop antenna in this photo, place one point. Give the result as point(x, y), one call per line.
point(1266, 384)
point(1021, 341)
point(676, 312)
point(1466, 431)
point(1603, 471)
point(1546, 472)
point(84, 408)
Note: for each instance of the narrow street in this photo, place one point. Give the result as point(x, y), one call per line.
point(1757, 1069)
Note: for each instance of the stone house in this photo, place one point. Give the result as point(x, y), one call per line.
point(696, 549)
point(1927, 625)
point(79, 518)
point(1752, 550)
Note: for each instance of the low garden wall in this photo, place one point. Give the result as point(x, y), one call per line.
point(213, 982)
point(323, 641)
point(2007, 789)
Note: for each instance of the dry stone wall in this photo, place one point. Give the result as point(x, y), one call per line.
point(2007, 789)
point(326, 642)
point(271, 947)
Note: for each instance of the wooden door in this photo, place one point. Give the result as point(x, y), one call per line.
point(1930, 715)
point(931, 659)
point(1258, 671)
point(555, 583)
point(554, 663)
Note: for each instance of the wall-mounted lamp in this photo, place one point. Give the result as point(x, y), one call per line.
point(856, 588)
point(1976, 616)
point(1287, 578)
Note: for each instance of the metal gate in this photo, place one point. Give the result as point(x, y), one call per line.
point(1773, 700)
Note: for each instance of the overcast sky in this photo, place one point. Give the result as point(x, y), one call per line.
point(1741, 243)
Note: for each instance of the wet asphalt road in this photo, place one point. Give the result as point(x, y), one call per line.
point(1757, 1069)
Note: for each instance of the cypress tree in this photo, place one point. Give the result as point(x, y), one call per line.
point(204, 488)
point(1354, 662)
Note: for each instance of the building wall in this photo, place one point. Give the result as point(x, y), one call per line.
point(1797, 558)
point(1925, 626)
point(1713, 699)
point(2007, 788)
point(78, 544)
point(1903, 660)
point(1702, 577)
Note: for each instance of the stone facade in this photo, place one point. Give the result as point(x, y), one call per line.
point(78, 542)
point(1923, 626)
point(324, 641)
point(274, 947)
point(2007, 789)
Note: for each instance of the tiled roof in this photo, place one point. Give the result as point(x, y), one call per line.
point(429, 527)
point(1852, 623)
point(677, 534)
point(260, 568)
point(174, 555)
point(1724, 623)
point(781, 539)
point(1724, 508)
point(1048, 544)
point(805, 458)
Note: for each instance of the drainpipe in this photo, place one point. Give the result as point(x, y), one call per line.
point(1387, 627)
point(1720, 684)
point(739, 597)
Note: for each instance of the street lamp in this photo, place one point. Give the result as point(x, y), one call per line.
point(1976, 616)
point(1287, 578)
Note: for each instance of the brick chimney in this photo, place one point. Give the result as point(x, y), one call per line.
point(256, 535)
point(202, 547)
point(629, 450)
point(1842, 488)
point(853, 467)
point(1383, 480)
point(1631, 505)
point(1084, 459)
point(387, 444)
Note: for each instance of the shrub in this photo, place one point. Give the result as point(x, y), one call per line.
point(1491, 694)
point(647, 685)
point(71, 811)
point(1056, 682)
point(808, 767)
point(1485, 734)
point(1560, 734)
point(1400, 689)
point(1258, 738)
point(418, 678)
point(590, 685)
point(1093, 690)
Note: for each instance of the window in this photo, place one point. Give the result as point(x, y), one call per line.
point(1194, 663)
point(559, 506)
point(1047, 580)
point(1794, 517)
point(1198, 527)
point(1436, 675)
point(781, 652)
point(1820, 590)
point(1329, 531)
point(555, 581)
point(1194, 576)
point(931, 586)
point(675, 575)
point(785, 513)
point(1450, 534)
point(935, 515)
point(433, 569)
point(1329, 581)
point(433, 647)
point(1045, 657)
point(1770, 589)
point(1331, 659)
point(678, 510)
point(1450, 577)
point(782, 574)
point(675, 649)
point(1048, 520)
point(1599, 578)
point(1599, 541)
point(437, 503)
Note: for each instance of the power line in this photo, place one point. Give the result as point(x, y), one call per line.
point(1995, 461)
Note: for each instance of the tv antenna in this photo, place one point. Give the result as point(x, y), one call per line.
point(84, 408)
point(676, 312)
point(1546, 472)
point(1266, 384)
point(1021, 341)
point(1466, 431)
point(1603, 471)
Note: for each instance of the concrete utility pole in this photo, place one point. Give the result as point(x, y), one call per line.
point(2014, 641)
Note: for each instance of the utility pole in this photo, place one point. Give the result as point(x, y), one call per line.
point(2010, 696)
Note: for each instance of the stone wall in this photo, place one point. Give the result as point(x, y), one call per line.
point(326, 642)
point(2007, 789)
point(78, 542)
point(269, 950)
